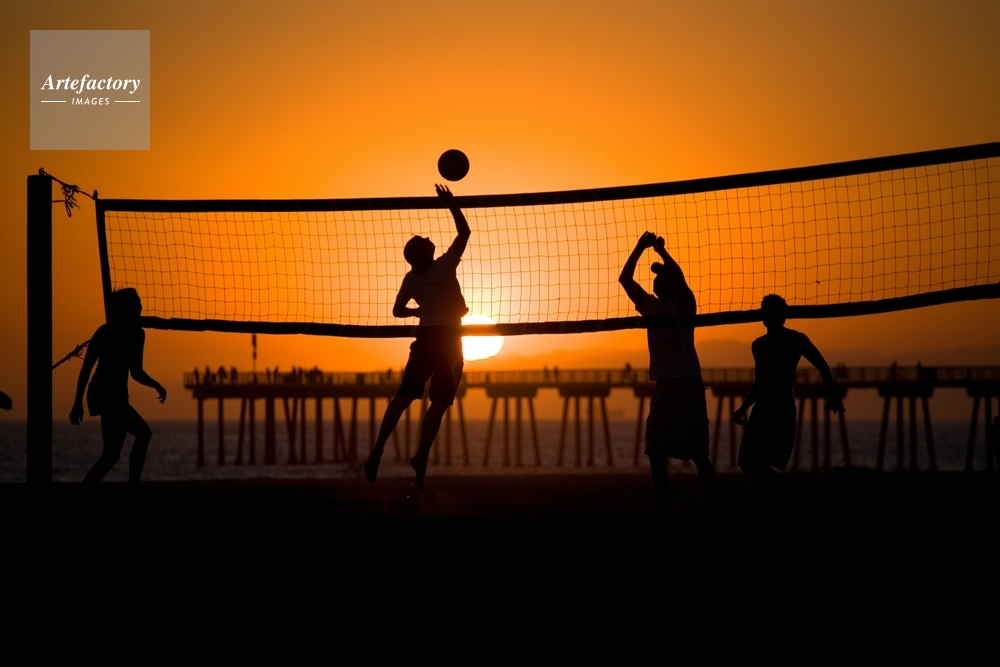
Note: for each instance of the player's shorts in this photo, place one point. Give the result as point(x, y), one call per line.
point(677, 425)
point(769, 435)
point(436, 354)
point(100, 401)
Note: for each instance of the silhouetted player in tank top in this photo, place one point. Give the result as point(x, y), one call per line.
point(116, 348)
point(677, 426)
point(770, 432)
point(436, 354)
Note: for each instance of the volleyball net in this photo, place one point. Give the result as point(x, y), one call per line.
point(841, 239)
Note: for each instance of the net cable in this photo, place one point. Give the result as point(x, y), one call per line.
point(841, 239)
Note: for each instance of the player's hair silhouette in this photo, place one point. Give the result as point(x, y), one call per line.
point(117, 349)
point(436, 354)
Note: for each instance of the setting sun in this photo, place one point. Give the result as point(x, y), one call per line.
point(475, 348)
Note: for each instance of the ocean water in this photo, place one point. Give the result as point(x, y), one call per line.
point(173, 456)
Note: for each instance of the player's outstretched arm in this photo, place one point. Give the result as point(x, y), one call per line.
point(627, 277)
point(461, 224)
point(741, 412)
point(672, 266)
point(400, 307)
point(814, 356)
point(89, 359)
point(140, 375)
point(674, 269)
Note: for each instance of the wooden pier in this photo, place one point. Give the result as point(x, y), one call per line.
point(347, 393)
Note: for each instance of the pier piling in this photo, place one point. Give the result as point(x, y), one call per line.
point(906, 391)
point(590, 391)
point(985, 391)
point(239, 436)
point(201, 432)
point(728, 385)
point(497, 392)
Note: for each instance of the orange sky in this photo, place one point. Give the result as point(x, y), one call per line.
point(348, 99)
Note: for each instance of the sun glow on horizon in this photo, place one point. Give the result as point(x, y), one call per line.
point(475, 348)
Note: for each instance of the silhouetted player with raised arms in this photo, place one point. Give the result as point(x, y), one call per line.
point(770, 432)
point(117, 349)
point(677, 425)
point(436, 354)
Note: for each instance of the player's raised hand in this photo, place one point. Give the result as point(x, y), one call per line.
point(647, 240)
point(740, 416)
point(834, 404)
point(76, 414)
point(445, 194)
point(660, 245)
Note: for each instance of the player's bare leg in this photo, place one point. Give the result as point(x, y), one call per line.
point(397, 406)
point(428, 431)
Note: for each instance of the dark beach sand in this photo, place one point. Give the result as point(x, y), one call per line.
point(882, 554)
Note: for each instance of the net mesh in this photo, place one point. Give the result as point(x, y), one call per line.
point(840, 240)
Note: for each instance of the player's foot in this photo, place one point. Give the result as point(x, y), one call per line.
point(371, 466)
point(420, 466)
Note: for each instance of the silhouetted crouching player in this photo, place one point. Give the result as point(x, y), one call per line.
point(116, 348)
point(770, 432)
point(436, 354)
point(677, 425)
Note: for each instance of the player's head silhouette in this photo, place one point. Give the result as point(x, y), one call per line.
point(419, 252)
point(665, 283)
point(774, 310)
point(126, 306)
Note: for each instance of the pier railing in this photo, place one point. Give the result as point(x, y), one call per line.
point(848, 376)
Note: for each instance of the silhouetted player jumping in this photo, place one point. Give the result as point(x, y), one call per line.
point(770, 432)
point(118, 347)
point(677, 425)
point(436, 354)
